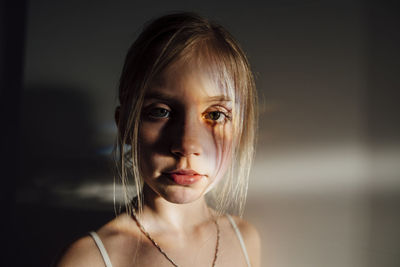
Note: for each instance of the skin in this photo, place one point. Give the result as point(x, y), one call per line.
point(185, 124)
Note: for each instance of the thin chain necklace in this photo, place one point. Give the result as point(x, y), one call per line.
point(162, 251)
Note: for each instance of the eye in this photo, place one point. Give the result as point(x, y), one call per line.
point(158, 113)
point(216, 116)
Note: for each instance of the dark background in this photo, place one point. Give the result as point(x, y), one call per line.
point(325, 188)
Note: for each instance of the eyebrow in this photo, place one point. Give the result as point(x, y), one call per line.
point(168, 97)
point(219, 98)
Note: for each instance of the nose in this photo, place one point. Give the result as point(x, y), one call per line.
point(187, 138)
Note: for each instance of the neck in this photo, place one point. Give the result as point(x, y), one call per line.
point(160, 214)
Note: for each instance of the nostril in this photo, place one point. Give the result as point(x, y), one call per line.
point(187, 135)
point(186, 148)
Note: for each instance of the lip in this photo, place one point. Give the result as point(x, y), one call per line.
point(184, 177)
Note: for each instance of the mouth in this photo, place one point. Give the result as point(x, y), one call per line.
point(184, 177)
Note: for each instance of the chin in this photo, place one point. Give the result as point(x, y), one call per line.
point(182, 195)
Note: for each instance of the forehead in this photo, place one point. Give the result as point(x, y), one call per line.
point(188, 79)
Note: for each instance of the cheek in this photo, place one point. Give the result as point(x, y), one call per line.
point(222, 136)
point(154, 152)
point(150, 141)
point(148, 135)
point(223, 158)
point(222, 148)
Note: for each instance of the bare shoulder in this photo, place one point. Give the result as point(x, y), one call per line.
point(248, 231)
point(251, 238)
point(84, 251)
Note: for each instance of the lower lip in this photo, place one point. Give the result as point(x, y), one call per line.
point(184, 179)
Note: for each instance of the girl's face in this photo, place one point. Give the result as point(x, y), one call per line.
point(185, 134)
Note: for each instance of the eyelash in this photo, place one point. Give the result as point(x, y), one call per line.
point(225, 116)
point(152, 111)
point(165, 114)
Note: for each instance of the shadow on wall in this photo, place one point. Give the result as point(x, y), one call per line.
point(57, 153)
point(57, 136)
point(56, 121)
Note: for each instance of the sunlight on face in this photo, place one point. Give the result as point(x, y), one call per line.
point(185, 133)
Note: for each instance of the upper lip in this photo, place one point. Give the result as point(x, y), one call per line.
point(183, 172)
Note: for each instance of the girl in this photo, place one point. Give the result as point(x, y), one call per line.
point(186, 125)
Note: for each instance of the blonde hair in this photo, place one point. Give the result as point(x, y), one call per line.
point(162, 42)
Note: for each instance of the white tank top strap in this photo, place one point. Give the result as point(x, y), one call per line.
point(102, 249)
point(239, 236)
